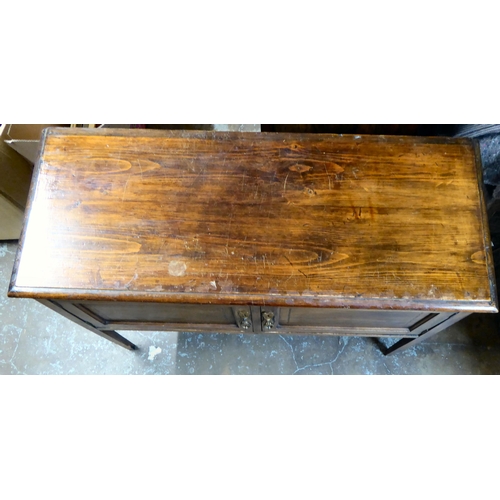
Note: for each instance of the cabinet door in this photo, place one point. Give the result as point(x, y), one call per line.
point(323, 321)
point(156, 316)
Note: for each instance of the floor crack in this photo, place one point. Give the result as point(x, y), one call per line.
point(339, 353)
point(387, 368)
point(312, 366)
point(293, 353)
point(326, 362)
point(11, 361)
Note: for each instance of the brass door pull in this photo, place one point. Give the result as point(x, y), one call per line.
point(268, 320)
point(244, 320)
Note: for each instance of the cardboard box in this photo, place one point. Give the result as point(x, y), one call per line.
point(11, 220)
point(15, 179)
point(24, 138)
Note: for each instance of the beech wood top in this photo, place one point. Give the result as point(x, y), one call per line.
point(257, 218)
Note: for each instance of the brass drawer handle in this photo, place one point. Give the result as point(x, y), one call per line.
point(244, 320)
point(268, 321)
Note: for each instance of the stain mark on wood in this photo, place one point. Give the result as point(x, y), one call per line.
point(177, 268)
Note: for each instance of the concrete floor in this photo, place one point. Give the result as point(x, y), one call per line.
point(36, 340)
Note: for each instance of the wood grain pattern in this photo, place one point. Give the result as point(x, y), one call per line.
point(279, 219)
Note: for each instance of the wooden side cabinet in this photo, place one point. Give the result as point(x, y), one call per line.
point(256, 233)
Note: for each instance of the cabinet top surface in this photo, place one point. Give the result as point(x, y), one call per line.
point(283, 219)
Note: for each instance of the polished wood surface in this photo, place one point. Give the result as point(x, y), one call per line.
point(279, 219)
